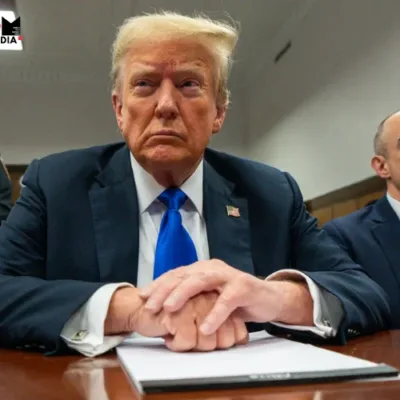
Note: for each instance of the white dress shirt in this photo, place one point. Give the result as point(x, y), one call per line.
point(84, 331)
point(395, 204)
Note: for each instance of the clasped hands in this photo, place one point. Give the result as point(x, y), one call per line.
point(204, 306)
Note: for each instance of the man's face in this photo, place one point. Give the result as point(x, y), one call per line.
point(165, 102)
point(388, 166)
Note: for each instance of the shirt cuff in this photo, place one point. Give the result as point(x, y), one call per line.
point(327, 309)
point(84, 331)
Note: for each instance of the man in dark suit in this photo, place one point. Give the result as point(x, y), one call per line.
point(370, 235)
point(5, 192)
point(229, 237)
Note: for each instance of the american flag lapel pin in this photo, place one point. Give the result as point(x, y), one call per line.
point(232, 211)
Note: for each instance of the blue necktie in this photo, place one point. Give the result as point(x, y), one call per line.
point(175, 248)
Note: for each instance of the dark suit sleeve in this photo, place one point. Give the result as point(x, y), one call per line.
point(335, 233)
point(365, 304)
point(33, 311)
point(5, 194)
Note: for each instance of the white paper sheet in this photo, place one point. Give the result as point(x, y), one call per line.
point(148, 359)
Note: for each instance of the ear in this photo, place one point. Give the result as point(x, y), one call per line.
point(380, 165)
point(117, 106)
point(219, 119)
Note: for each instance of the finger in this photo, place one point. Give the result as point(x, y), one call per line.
point(202, 305)
point(226, 303)
point(146, 291)
point(185, 338)
point(241, 333)
point(206, 342)
point(190, 287)
point(226, 335)
point(149, 289)
point(155, 301)
point(169, 342)
point(170, 325)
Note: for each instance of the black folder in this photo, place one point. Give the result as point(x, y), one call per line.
point(265, 380)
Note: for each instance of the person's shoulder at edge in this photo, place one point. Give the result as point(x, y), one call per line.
point(355, 218)
point(83, 162)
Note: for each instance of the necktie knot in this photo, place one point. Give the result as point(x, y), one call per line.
point(173, 198)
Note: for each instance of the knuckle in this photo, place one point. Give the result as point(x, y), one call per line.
point(172, 283)
point(226, 338)
point(236, 293)
point(244, 338)
point(244, 283)
point(224, 344)
point(214, 274)
point(218, 263)
point(225, 300)
point(179, 273)
point(202, 276)
point(207, 277)
point(215, 263)
point(206, 343)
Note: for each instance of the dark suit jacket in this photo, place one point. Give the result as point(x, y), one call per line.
point(371, 237)
point(75, 228)
point(5, 194)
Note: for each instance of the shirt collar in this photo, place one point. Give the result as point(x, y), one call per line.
point(148, 189)
point(394, 203)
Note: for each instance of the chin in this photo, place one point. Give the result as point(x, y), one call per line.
point(167, 155)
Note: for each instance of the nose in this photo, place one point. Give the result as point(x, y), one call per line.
point(167, 107)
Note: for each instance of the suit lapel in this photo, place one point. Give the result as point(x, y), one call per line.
point(228, 236)
point(116, 219)
point(386, 230)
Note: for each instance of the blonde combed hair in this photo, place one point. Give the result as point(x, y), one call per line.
point(220, 37)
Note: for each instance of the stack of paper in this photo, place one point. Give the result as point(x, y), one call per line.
point(265, 360)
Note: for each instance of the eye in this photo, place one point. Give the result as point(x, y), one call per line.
point(142, 83)
point(190, 83)
point(143, 87)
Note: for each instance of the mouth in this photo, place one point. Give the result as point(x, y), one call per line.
point(167, 133)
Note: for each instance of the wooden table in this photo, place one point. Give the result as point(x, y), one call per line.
point(32, 376)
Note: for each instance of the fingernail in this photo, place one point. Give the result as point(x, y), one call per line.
point(150, 305)
point(170, 302)
point(205, 328)
point(144, 292)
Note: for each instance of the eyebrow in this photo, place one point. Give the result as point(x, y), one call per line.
point(140, 68)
